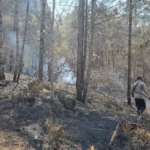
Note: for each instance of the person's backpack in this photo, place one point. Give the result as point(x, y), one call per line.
point(133, 90)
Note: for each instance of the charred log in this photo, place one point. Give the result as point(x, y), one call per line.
point(66, 99)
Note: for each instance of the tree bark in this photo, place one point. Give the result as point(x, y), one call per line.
point(85, 42)
point(113, 60)
point(42, 30)
point(24, 41)
point(129, 53)
point(88, 73)
point(17, 42)
point(52, 57)
point(143, 64)
point(50, 39)
point(2, 75)
point(79, 82)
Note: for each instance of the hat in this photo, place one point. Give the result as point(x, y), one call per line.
point(139, 78)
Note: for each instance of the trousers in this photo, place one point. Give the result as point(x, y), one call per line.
point(140, 105)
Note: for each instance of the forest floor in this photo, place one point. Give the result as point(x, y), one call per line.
point(43, 124)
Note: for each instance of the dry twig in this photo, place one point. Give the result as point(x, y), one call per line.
point(114, 134)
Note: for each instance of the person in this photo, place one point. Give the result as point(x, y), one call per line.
point(140, 92)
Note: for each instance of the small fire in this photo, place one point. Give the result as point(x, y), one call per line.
point(92, 148)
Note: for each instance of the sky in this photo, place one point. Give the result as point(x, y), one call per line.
point(63, 6)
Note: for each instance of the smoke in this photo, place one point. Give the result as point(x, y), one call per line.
point(31, 62)
point(66, 74)
point(115, 76)
point(69, 78)
point(31, 56)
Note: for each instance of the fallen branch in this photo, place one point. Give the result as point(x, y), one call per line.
point(114, 134)
point(15, 86)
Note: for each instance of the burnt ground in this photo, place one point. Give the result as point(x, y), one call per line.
point(23, 120)
point(84, 127)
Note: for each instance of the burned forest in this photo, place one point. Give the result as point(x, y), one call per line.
point(74, 75)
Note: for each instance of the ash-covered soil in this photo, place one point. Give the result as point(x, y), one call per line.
point(23, 123)
point(84, 127)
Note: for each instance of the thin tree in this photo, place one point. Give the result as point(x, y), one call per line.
point(129, 53)
point(143, 64)
point(17, 41)
point(52, 57)
point(42, 30)
point(50, 37)
point(24, 41)
point(79, 82)
point(88, 73)
point(85, 43)
point(85, 33)
point(2, 75)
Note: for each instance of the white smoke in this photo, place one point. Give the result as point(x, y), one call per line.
point(66, 74)
point(31, 62)
point(115, 76)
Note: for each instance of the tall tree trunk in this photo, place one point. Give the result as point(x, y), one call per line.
point(108, 63)
point(113, 60)
point(134, 67)
point(52, 59)
point(11, 61)
point(129, 53)
point(85, 34)
point(24, 40)
point(143, 64)
point(79, 82)
point(42, 30)
point(88, 73)
point(2, 75)
point(85, 43)
point(17, 42)
point(50, 51)
point(49, 70)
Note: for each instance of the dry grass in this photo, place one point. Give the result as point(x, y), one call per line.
point(106, 103)
point(11, 141)
point(65, 87)
point(138, 135)
point(56, 139)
